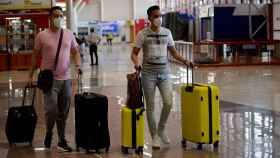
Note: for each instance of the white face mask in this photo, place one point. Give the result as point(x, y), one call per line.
point(158, 21)
point(58, 22)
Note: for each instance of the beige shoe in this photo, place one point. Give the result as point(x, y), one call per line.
point(156, 142)
point(164, 138)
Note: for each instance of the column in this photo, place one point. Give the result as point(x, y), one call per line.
point(133, 12)
point(69, 15)
point(101, 7)
point(75, 21)
point(132, 23)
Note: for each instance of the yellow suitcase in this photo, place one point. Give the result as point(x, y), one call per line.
point(200, 107)
point(132, 129)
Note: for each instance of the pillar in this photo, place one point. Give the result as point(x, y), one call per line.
point(69, 15)
point(101, 5)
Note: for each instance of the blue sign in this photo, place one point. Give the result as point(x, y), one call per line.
point(108, 27)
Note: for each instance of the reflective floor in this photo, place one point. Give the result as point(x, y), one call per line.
point(250, 110)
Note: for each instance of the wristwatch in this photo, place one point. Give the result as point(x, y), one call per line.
point(137, 67)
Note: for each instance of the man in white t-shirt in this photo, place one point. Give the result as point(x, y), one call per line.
point(155, 42)
point(93, 40)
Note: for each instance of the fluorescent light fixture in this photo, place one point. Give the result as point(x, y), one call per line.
point(12, 18)
point(62, 5)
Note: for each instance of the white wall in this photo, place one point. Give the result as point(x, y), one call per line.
point(276, 19)
point(90, 12)
point(117, 9)
point(141, 8)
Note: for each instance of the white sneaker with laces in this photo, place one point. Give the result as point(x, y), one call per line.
point(156, 142)
point(164, 138)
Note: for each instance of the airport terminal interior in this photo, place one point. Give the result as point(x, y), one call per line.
point(234, 44)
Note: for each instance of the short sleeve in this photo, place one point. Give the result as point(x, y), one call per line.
point(74, 44)
point(139, 40)
point(38, 41)
point(171, 42)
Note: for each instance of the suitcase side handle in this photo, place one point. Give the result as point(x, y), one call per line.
point(25, 91)
point(140, 113)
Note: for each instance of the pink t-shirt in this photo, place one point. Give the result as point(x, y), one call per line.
point(47, 42)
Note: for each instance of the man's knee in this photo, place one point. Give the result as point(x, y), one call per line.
point(150, 106)
point(167, 103)
point(51, 114)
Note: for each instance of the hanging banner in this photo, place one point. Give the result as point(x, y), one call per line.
point(25, 4)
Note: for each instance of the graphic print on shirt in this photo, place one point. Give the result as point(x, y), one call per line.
point(157, 50)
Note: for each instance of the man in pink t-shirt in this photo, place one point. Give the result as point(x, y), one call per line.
point(57, 99)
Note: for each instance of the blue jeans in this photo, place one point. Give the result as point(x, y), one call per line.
point(151, 80)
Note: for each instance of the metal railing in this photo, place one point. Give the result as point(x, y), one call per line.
point(185, 49)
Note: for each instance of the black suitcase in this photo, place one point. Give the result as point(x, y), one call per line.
point(91, 121)
point(21, 121)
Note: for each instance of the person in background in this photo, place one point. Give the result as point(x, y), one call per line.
point(156, 41)
point(109, 38)
point(80, 42)
point(93, 39)
point(57, 99)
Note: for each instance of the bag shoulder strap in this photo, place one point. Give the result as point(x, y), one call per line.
point(58, 49)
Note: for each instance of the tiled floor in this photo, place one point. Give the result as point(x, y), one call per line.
point(250, 106)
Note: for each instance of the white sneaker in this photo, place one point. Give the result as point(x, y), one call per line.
point(156, 142)
point(164, 138)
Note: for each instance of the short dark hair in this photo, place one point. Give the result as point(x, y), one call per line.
point(151, 9)
point(92, 30)
point(54, 8)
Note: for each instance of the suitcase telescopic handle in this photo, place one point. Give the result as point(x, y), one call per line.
point(141, 88)
point(190, 88)
point(80, 84)
point(25, 91)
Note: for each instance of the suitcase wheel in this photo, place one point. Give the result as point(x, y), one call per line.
point(139, 151)
point(216, 144)
point(184, 143)
point(77, 148)
point(124, 150)
point(97, 151)
point(199, 147)
point(107, 149)
point(12, 145)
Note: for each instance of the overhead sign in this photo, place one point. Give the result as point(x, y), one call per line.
point(25, 4)
point(206, 11)
point(110, 27)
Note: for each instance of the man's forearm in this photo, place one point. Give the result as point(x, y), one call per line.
point(176, 55)
point(134, 56)
point(77, 59)
point(135, 59)
point(33, 64)
point(179, 57)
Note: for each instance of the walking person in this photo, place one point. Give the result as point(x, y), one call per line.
point(109, 38)
point(50, 42)
point(93, 40)
point(155, 42)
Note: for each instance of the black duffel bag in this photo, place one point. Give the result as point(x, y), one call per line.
point(45, 80)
